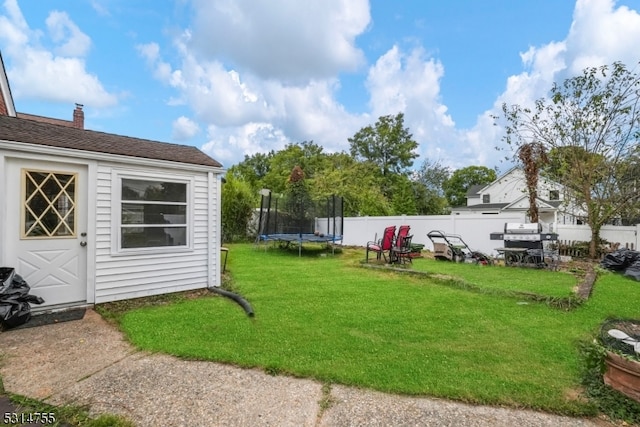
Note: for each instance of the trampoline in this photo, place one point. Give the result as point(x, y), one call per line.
point(286, 221)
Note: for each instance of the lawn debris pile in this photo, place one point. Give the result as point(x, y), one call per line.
point(623, 260)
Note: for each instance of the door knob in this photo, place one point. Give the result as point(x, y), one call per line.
point(83, 244)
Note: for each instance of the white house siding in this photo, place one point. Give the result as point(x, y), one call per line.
point(121, 276)
point(512, 186)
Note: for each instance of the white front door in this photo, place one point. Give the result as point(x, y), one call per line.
point(47, 224)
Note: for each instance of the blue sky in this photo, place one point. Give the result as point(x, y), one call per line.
point(236, 77)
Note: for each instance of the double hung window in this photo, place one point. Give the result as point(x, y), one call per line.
point(153, 213)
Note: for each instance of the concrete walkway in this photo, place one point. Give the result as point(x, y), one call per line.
point(88, 362)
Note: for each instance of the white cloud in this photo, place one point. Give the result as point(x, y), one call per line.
point(229, 145)
point(34, 73)
point(161, 70)
point(263, 74)
point(259, 74)
point(410, 83)
point(184, 129)
point(40, 74)
point(13, 27)
point(600, 34)
point(62, 30)
point(249, 113)
point(101, 9)
point(285, 39)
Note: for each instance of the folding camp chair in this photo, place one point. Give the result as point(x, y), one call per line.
point(382, 247)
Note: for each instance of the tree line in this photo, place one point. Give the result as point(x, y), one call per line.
point(584, 135)
point(375, 177)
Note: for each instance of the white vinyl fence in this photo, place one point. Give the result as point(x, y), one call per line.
point(474, 230)
point(624, 236)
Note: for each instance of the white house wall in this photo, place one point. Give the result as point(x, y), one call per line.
point(120, 276)
point(513, 186)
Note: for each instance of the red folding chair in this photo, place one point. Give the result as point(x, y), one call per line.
point(401, 252)
point(401, 246)
point(382, 247)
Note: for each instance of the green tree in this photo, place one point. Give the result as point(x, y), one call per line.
point(403, 201)
point(388, 146)
point(596, 115)
point(356, 182)
point(307, 155)
point(455, 188)
point(253, 169)
point(429, 188)
point(238, 204)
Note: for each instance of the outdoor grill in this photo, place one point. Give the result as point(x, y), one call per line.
point(523, 243)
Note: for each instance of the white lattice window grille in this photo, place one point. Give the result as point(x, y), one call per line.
point(49, 204)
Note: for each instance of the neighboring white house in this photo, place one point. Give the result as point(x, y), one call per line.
point(508, 193)
point(89, 217)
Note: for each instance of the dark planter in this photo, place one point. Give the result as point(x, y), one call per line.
point(623, 375)
point(416, 250)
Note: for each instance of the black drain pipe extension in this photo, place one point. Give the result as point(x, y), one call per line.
point(237, 298)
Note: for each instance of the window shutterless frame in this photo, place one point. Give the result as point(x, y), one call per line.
point(153, 213)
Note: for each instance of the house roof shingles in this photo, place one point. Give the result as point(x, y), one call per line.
point(474, 189)
point(52, 135)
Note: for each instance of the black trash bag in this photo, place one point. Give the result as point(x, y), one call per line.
point(14, 313)
point(619, 260)
point(633, 271)
point(6, 277)
point(18, 287)
point(15, 308)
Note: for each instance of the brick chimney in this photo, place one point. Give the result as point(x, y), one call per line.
point(78, 117)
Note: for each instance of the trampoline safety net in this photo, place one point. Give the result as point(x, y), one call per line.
point(285, 217)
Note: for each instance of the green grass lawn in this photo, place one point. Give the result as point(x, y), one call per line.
point(328, 318)
point(536, 281)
